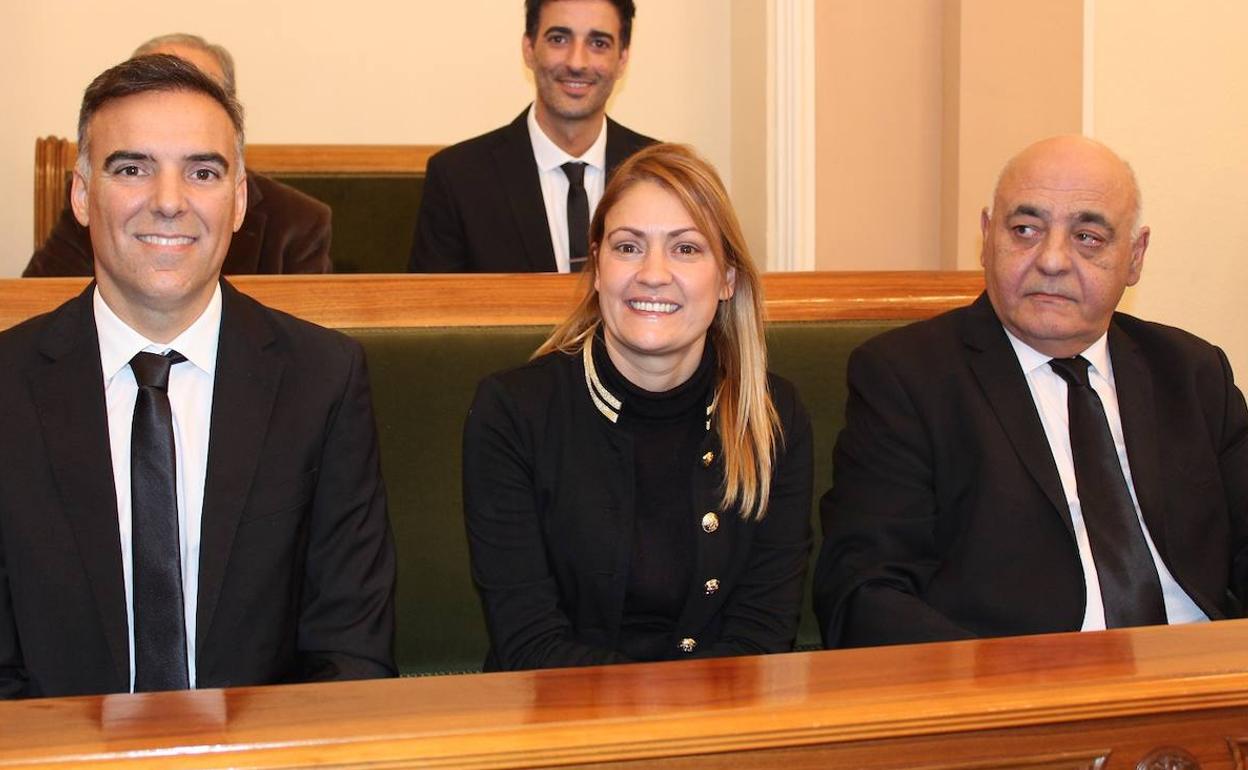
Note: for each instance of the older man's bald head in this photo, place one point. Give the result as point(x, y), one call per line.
point(1074, 161)
point(1062, 242)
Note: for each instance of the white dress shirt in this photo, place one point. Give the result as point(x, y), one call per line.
point(1048, 391)
point(550, 159)
point(190, 399)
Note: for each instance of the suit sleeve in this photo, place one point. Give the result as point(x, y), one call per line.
point(519, 595)
point(66, 252)
point(439, 244)
point(12, 664)
point(762, 612)
point(879, 519)
point(346, 623)
point(1233, 465)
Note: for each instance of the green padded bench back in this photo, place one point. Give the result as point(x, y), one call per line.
point(374, 217)
point(423, 381)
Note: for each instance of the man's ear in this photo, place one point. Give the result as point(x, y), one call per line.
point(78, 198)
point(240, 200)
point(526, 50)
point(1136, 267)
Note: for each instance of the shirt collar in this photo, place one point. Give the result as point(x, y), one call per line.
point(550, 156)
point(1031, 359)
point(119, 343)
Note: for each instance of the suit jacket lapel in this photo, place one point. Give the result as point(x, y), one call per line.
point(996, 368)
point(69, 396)
point(1134, 386)
point(517, 173)
point(617, 148)
point(246, 385)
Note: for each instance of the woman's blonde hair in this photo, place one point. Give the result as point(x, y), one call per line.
point(748, 426)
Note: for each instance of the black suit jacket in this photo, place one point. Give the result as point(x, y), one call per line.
point(284, 231)
point(297, 566)
point(482, 209)
point(947, 518)
point(548, 500)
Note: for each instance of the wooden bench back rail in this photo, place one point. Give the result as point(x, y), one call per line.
point(406, 301)
point(55, 158)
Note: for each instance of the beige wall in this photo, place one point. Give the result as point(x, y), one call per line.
point(372, 71)
point(919, 103)
point(878, 121)
point(1170, 93)
point(1019, 78)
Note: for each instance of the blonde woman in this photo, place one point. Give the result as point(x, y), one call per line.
point(640, 490)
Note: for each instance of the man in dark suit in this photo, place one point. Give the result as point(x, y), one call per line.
point(519, 199)
point(191, 493)
point(1037, 462)
point(284, 230)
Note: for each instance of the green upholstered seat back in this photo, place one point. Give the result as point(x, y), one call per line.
point(813, 357)
point(374, 217)
point(423, 382)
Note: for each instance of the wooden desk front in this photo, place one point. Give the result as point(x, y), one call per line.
point(1098, 700)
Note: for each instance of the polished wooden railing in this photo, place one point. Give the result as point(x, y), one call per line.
point(1174, 698)
point(509, 300)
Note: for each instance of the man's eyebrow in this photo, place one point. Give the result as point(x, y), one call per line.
point(598, 34)
point(558, 30)
point(1093, 218)
point(120, 155)
point(1027, 210)
point(209, 157)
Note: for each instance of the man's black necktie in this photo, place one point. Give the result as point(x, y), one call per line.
point(1130, 588)
point(159, 622)
point(578, 216)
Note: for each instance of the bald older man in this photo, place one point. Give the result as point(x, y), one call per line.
point(1037, 462)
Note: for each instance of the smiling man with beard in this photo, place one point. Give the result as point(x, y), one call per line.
point(1037, 462)
point(519, 199)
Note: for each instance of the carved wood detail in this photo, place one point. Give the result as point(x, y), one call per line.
point(1168, 758)
point(1239, 752)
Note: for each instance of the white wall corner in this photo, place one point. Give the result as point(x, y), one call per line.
point(791, 135)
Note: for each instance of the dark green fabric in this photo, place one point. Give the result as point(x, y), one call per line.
point(813, 357)
point(374, 217)
point(423, 381)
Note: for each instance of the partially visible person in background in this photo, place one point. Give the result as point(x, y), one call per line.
point(284, 231)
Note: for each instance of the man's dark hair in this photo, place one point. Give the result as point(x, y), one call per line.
point(625, 8)
point(152, 73)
